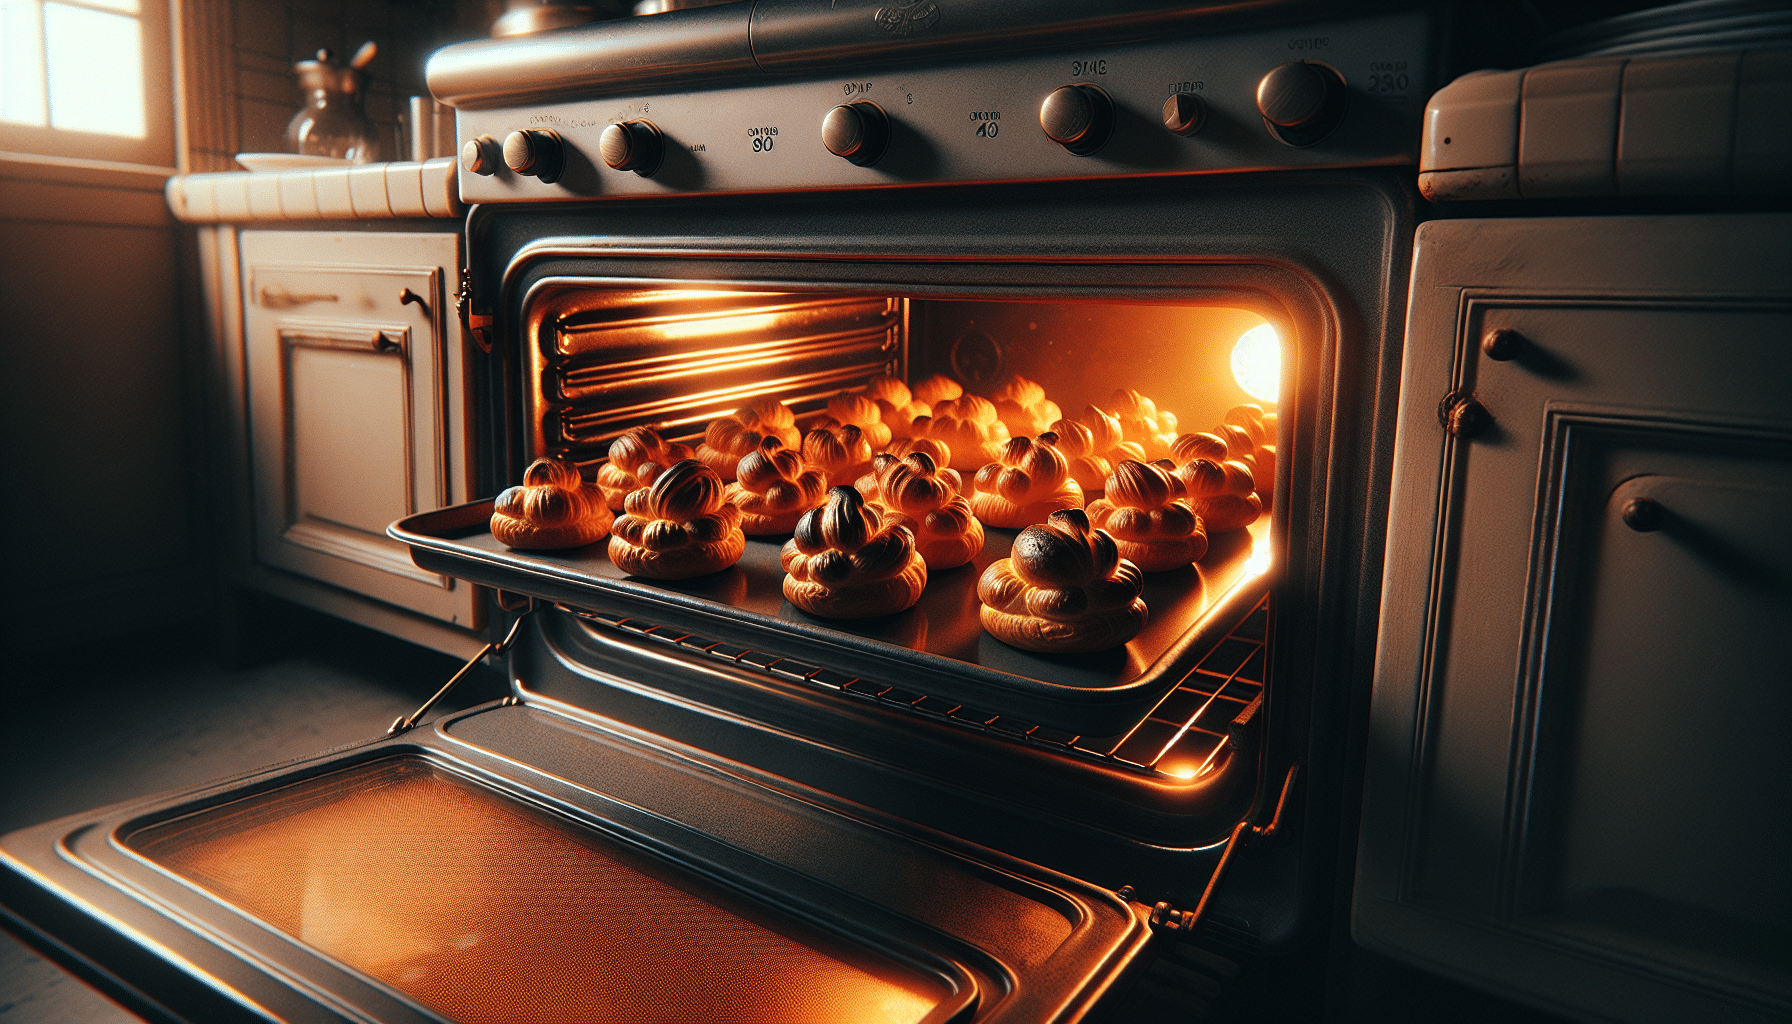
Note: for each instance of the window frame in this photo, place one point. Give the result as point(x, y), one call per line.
point(156, 148)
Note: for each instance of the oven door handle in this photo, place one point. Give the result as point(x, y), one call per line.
point(478, 326)
point(1168, 920)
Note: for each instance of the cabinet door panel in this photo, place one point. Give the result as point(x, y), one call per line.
point(1577, 776)
point(350, 408)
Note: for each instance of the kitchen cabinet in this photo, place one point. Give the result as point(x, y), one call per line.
point(345, 389)
point(1578, 778)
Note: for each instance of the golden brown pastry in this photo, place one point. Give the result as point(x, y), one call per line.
point(1189, 447)
point(1107, 439)
point(635, 459)
point(842, 454)
point(553, 508)
point(1142, 422)
point(733, 437)
point(917, 494)
point(1088, 467)
point(1221, 493)
point(1065, 590)
point(969, 426)
point(896, 404)
point(680, 527)
point(1260, 429)
point(1028, 482)
point(1151, 524)
point(846, 563)
point(861, 411)
point(935, 449)
point(936, 389)
point(773, 489)
point(1022, 406)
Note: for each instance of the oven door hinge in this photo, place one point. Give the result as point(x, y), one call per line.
point(405, 723)
point(1167, 920)
point(477, 325)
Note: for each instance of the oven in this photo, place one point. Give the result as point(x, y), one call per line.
point(701, 802)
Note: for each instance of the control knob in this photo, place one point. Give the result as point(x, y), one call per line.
point(1077, 117)
point(632, 146)
point(481, 155)
point(537, 152)
point(1301, 102)
point(857, 131)
point(1184, 113)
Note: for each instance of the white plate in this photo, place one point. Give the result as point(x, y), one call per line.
point(288, 161)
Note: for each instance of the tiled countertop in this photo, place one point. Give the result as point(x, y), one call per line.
point(366, 192)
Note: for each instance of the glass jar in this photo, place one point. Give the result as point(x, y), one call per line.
point(333, 121)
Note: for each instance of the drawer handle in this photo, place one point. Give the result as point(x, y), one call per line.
point(407, 296)
point(277, 297)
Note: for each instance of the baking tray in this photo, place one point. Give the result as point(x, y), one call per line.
point(937, 647)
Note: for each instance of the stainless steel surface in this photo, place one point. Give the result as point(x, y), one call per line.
point(405, 723)
point(973, 121)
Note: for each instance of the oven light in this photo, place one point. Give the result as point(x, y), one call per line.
point(1257, 362)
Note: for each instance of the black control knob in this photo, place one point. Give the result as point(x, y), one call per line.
point(1078, 117)
point(632, 146)
point(1184, 114)
point(537, 152)
point(1301, 102)
point(481, 155)
point(858, 132)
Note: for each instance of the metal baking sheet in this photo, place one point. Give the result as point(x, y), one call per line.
point(938, 646)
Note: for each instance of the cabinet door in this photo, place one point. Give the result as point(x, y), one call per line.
point(353, 400)
point(1579, 782)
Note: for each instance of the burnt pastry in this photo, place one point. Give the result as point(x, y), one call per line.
point(934, 448)
point(1221, 493)
point(1107, 439)
point(845, 562)
point(735, 436)
point(1028, 482)
point(1143, 510)
point(969, 426)
point(1065, 590)
point(553, 508)
point(841, 454)
point(1142, 422)
point(635, 459)
point(680, 527)
point(1022, 406)
point(896, 404)
point(861, 411)
point(773, 489)
point(936, 389)
point(919, 495)
point(1088, 467)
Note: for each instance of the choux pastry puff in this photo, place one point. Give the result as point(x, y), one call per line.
point(969, 426)
point(553, 508)
point(1029, 480)
point(773, 489)
point(731, 438)
point(1064, 590)
point(917, 494)
point(1222, 494)
point(635, 459)
point(845, 562)
point(1144, 512)
point(680, 527)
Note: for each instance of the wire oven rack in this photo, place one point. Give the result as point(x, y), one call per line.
point(1180, 738)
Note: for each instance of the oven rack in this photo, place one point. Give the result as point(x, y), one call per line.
point(1180, 738)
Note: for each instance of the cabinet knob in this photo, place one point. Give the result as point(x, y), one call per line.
point(1502, 345)
point(632, 146)
point(1462, 416)
point(1077, 117)
point(537, 152)
point(857, 132)
point(1301, 102)
point(1644, 515)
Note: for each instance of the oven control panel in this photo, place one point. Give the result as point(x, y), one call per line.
point(1344, 94)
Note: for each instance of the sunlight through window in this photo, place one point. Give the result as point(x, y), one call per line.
point(72, 66)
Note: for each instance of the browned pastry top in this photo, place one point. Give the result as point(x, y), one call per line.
point(1063, 570)
point(936, 389)
point(684, 506)
point(1022, 406)
point(636, 458)
point(841, 453)
point(552, 508)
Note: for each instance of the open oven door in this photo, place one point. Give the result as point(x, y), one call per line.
point(519, 863)
point(1577, 771)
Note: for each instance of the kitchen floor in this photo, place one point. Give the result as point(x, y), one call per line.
point(146, 714)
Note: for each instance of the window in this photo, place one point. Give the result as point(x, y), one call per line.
point(86, 78)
